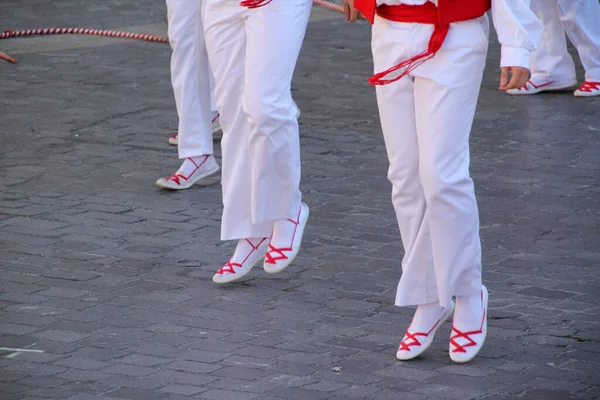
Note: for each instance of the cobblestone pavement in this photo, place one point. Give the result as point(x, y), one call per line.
point(105, 281)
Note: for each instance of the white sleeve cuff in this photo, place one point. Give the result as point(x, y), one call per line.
point(514, 57)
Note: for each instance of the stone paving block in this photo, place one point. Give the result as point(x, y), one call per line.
point(129, 370)
point(136, 394)
point(548, 395)
point(299, 393)
point(186, 390)
point(81, 363)
point(50, 393)
point(440, 391)
point(61, 336)
point(17, 329)
point(326, 386)
point(84, 138)
point(63, 293)
point(391, 395)
point(241, 373)
point(83, 376)
point(69, 274)
point(43, 381)
point(193, 367)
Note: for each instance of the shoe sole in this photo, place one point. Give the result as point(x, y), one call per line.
point(549, 88)
point(423, 348)
point(466, 360)
point(586, 94)
point(292, 256)
point(163, 183)
point(237, 276)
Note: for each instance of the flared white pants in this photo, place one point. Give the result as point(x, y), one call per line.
point(426, 119)
point(253, 53)
point(191, 78)
point(580, 19)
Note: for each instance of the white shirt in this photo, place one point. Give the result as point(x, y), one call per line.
point(519, 30)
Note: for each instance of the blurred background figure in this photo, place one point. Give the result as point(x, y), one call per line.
point(193, 87)
point(552, 67)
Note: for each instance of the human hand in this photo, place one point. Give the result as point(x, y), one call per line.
point(518, 78)
point(352, 13)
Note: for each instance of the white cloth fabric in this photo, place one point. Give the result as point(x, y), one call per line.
point(191, 78)
point(426, 119)
point(253, 53)
point(581, 21)
point(517, 27)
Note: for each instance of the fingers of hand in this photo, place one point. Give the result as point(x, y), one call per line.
point(353, 14)
point(347, 10)
point(519, 77)
point(503, 78)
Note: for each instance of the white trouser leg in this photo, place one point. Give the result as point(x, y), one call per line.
point(426, 125)
point(396, 112)
point(551, 60)
point(581, 21)
point(190, 76)
point(274, 35)
point(253, 54)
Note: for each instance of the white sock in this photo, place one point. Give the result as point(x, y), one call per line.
point(426, 316)
point(283, 232)
point(191, 164)
point(245, 247)
point(468, 313)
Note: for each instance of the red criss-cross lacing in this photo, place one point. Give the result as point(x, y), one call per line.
point(230, 266)
point(589, 87)
point(466, 335)
point(177, 176)
point(254, 3)
point(435, 43)
point(413, 336)
point(404, 345)
point(280, 255)
point(525, 87)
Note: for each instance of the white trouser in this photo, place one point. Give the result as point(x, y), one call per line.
point(191, 78)
point(426, 119)
point(580, 19)
point(253, 53)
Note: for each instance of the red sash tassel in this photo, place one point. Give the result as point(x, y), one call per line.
point(254, 3)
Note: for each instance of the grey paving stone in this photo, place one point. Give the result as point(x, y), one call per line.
point(91, 247)
point(130, 370)
point(144, 360)
point(186, 390)
point(193, 367)
point(81, 363)
point(241, 373)
point(217, 394)
point(60, 336)
point(136, 394)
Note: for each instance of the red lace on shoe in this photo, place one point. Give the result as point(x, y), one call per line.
point(230, 267)
point(589, 87)
point(413, 336)
point(466, 335)
point(174, 136)
point(177, 176)
point(215, 118)
point(525, 87)
point(254, 3)
point(280, 255)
